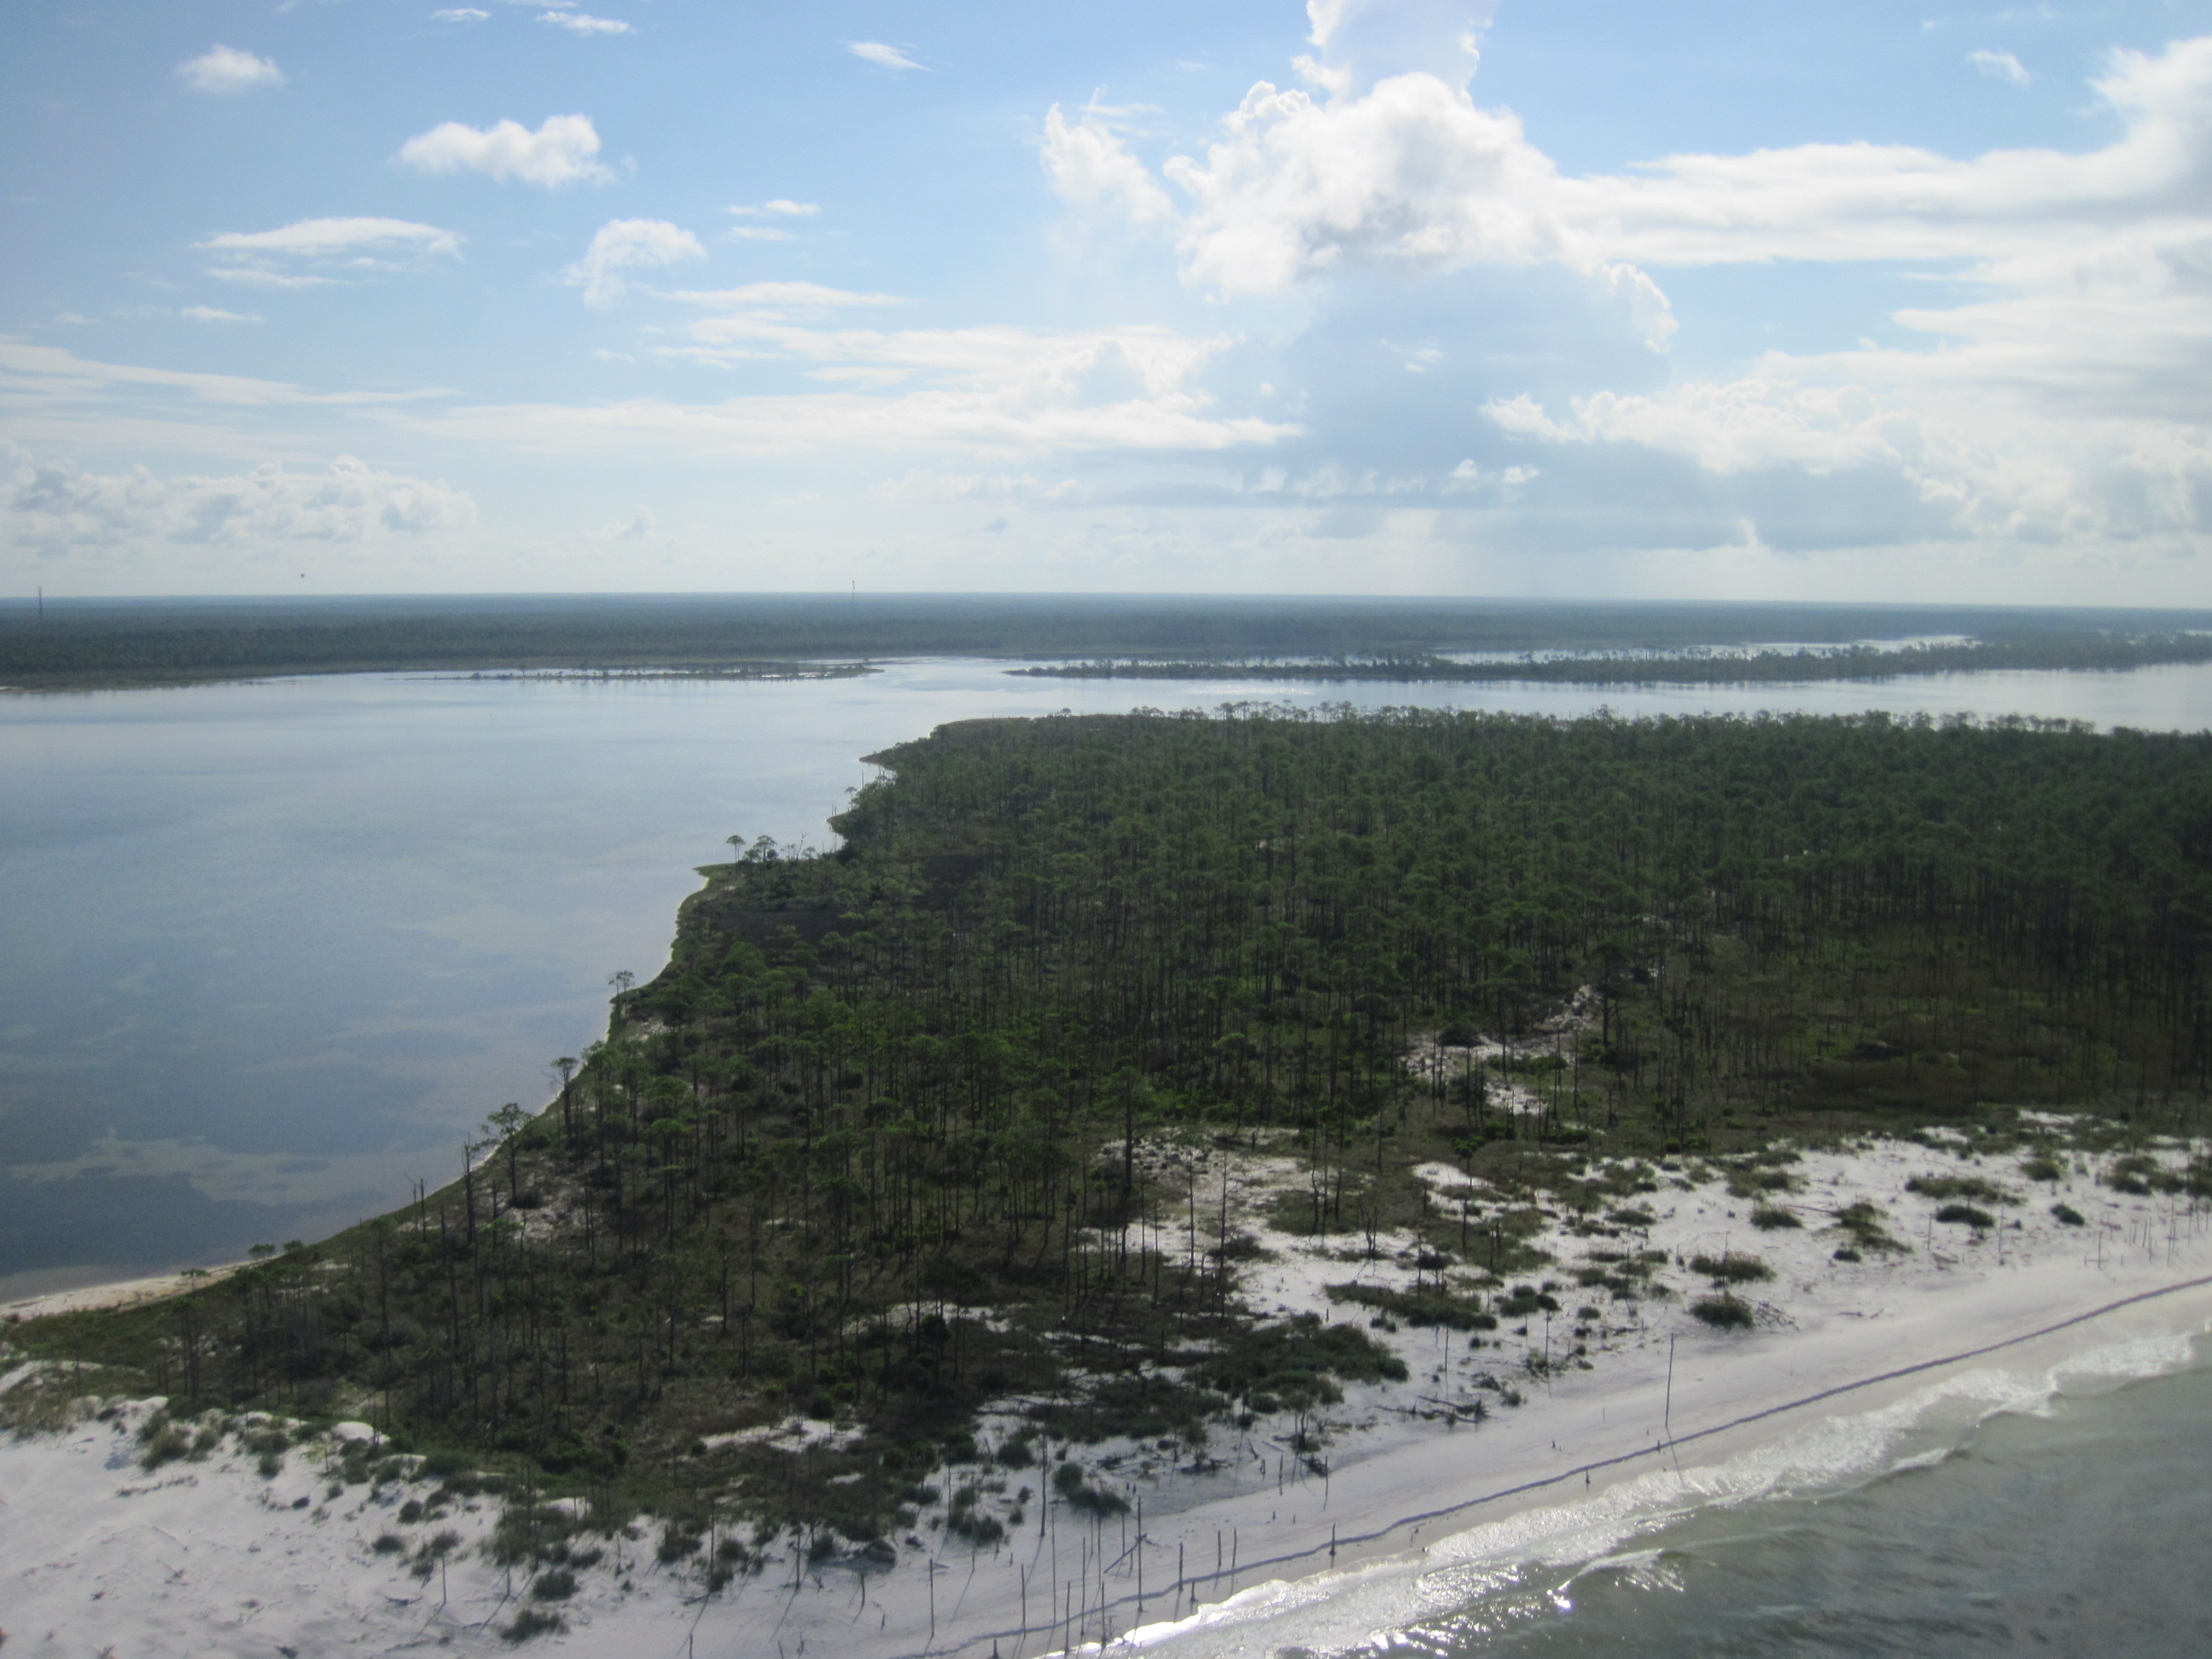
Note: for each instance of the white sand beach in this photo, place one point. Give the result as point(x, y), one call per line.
point(1848, 1368)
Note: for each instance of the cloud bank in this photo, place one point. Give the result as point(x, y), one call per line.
point(51, 507)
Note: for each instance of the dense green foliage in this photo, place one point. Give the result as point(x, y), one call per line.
point(137, 641)
point(906, 1127)
point(2068, 650)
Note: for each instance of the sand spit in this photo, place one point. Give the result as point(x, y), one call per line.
point(119, 1293)
point(1594, 1417)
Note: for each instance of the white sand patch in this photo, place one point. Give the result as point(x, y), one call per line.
point(793, 1434)
point(120, 1294)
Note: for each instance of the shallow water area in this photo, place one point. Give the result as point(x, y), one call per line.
point(270, 950)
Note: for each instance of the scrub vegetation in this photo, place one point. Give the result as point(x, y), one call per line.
point(897, 1132)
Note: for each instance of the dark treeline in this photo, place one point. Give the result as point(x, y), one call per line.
point(2055, 650)
point(903, 1128)
point(126, 641)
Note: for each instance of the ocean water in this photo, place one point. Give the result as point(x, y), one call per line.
point(268, 952)
point(1994, 1514)
point(2078, 1530)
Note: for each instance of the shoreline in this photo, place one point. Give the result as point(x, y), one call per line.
point(1857, 1365)
point(115, 1292)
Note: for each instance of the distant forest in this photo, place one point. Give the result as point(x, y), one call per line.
point(902, 1127)
point(124, 642)
point(2074, 650)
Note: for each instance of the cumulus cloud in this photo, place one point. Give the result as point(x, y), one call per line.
point(1091, 167)
point(883, 57)
point(285, 257)
point(564, 150)
point(2064, 400)
point(2001, 66)
point(1414, 172)
point(216, 314)
point(225, 70)
point(628, 244)
point(579, 23)
point(53, 507)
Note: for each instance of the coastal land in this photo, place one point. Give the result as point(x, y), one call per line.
point(1163, 1173)
point(85, 644)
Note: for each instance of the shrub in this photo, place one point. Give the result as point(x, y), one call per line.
point(1767, 1217)
point(1723, 1313)
point(980, 1529)
point(557, 1585)
point(1846, 1253)
point(1863, 1221)
point(389, 1543)
point(1966, 1215)
point(1731, 1269)
point(164, 1442)
point(533, 1622)
point(1971, 1187)
point(2069, 1216)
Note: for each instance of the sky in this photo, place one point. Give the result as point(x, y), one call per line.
point(1587, 299)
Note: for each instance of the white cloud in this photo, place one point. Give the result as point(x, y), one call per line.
point(992, 389)
point(782, 297)
point(2069, 396)
point(50, 379)
point(53, 507)
point(1091, 168)
point(324, 237)
point(781, 208)
point(628, 244)
point(272, 258)
point(2001, 66)
point(460, 15)
point(883, 57)
point(564, 150)
point(936, 489)
point(1412, 171)
point(216, 314)
point(226, 70)
point(640, 524)
point(579, 22)
point(255, 276)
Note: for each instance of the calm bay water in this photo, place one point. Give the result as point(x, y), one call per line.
point(269, 951)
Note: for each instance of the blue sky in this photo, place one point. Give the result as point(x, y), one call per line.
point(1575, 299)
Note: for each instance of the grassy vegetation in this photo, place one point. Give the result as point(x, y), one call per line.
point(933, 1122)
